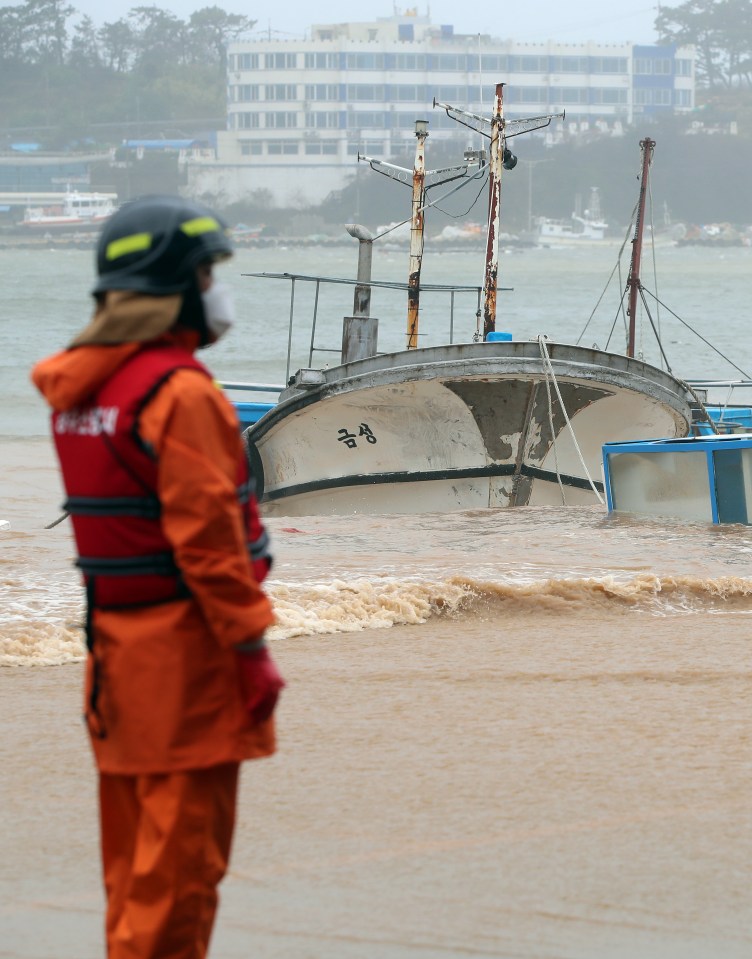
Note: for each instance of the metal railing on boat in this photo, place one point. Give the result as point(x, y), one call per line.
point(451, 289)
point(251, 411)
point(728, 402)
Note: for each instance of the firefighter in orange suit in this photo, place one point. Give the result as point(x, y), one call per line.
point(180, 686)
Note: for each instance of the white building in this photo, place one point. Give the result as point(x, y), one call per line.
point(300, 111)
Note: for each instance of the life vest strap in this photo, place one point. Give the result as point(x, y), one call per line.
point(145, 507)
point(158, 564)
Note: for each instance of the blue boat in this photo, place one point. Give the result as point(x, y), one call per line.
point(706, 478)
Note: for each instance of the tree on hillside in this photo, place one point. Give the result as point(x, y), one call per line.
point(210, 30)
point(160, 40)
point(118, 43)
point(721, 32)
point(45, 34)
point(85, 46)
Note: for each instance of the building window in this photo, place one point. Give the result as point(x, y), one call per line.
point(406, 121)
point(533, 64)
point(281, 91)
point(247, 121)
point(245, 61)
point(648, 67)
point(281, 121)
point(321, 147)
point(322, 120)
point(455, 96)
point(528, 95)
point(410, 61)
point(322, 61)
point(361, 92)
point(570, 94)
point(608, 65)
point(410, 92)
point(494, 63)
point(280, 61)
point(449, 61)
point(251, 149)
point(683, 68)
point(608, 95)
point(282, 147)
point(246, 92)
point(683, 98)
point(322, 91)
point(367, 118)
point(364, 61)
point(569, 64)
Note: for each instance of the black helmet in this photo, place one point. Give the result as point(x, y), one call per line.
point(153, 245)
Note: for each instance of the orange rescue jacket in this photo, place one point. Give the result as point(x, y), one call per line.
point(168, 695)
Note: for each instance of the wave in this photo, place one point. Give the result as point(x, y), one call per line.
point(348, 606)
point(353, 605)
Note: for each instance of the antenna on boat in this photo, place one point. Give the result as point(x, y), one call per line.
point(634, 284)
point(501, 157)
point(422, 181)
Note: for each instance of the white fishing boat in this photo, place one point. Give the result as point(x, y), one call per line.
point(73, 212)
point(490, 422)
point(587, 226)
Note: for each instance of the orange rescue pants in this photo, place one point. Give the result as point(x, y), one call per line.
point(165, 847)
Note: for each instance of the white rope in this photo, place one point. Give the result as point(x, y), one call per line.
point(551, 425)
point(550, 374)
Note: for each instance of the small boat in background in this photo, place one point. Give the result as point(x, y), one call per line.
point(74, 211)
point(587, 226)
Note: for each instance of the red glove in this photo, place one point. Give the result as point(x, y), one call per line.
point(260, 683)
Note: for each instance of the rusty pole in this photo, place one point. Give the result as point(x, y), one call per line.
point(494, 213)
point(416, 234)
point(633, 281)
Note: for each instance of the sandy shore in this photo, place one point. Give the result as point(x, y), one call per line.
point(431, 798)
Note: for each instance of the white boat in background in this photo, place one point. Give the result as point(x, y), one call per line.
point(486, 423)
point(74, 211)
point(587, 226)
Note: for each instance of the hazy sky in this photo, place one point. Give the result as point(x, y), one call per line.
point(532, 21)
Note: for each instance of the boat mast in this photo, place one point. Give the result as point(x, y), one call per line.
point(416, 234)
point(500, 158)
point(494, 213)
point(422, 181)
point(634, 284)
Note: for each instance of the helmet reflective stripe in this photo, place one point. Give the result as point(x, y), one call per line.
point(128, 244)
point(201, 224)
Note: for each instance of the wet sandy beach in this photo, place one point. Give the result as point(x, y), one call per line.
point(444, 790)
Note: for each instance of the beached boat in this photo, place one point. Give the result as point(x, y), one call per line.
point(74, 211)
point(486, 423)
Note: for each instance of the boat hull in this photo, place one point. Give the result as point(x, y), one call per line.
point(457, 427)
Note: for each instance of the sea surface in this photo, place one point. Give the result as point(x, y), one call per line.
point(515, 733)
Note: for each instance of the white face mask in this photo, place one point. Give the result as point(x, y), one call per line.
point(219, 309)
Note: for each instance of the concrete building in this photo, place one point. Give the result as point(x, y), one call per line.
point(300, 111)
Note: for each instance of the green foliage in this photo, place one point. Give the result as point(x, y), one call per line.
point(720, 30)
point(61, 76)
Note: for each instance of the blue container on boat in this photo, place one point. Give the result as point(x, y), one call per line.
point(498, 337)
point(729, 419)
point(250, 413)
point(694, 478)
